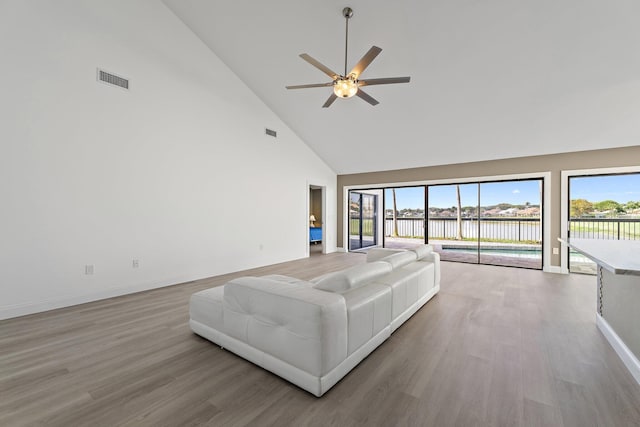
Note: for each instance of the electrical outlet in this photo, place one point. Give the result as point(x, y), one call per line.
point(556, 251)
point(135, 263)
point(88, 269)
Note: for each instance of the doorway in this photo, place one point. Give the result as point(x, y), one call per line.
point(316, 220)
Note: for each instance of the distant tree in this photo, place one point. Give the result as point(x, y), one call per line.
point(611, 206)
point(459, 214)
point(580, 207)
point(630, 206)
point(395, 214)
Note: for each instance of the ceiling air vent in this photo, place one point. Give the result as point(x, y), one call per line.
point(112, 79)
point(270, 132)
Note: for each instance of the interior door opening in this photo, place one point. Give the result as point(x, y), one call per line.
point(316, 220)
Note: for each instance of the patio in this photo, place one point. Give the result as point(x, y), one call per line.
point(443, 248)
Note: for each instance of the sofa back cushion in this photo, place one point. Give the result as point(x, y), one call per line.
point(400, 259)
point(422, 251)
point(352, 277)
point(376, 254)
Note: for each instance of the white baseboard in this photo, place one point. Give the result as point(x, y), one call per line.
point(17, 310)
point(628, 358)
point(554, 269)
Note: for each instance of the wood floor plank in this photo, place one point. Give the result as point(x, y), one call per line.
point(497, 346)
point(505, 399)
point(575, 405)
point(538, 414)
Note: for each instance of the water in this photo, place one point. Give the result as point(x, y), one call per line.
point(517, 253)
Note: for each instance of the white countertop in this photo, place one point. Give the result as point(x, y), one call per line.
point(617, 256)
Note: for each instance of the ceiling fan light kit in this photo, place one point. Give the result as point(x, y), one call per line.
point(348, 84)
point(345, 87)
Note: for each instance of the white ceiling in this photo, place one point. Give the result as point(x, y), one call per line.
point(489, 79)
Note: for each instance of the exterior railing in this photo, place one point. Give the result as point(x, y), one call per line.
point(498, 229)
point(367, 226)
point(605, 228)
point(505, 229)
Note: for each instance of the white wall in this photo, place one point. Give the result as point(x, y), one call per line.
point(177, 172)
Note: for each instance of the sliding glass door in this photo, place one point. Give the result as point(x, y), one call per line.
point(404, 219)
point(497, 223)
point(452, 219)
point(511, 223)
point(363, 227)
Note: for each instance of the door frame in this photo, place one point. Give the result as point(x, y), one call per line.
point(323, 212)
point(564, 202)
point(546, 215)
point(377, 224)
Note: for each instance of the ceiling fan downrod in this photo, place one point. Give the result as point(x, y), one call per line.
point(347, 12)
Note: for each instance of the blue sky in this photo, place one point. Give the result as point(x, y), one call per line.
point(621, 188)
point(444, 196)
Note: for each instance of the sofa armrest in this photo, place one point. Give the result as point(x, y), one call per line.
point(300, 325)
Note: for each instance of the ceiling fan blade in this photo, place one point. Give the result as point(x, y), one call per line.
point(319, 66)
point(332, 98)
point(311, 85)
point(366, 60)
point(366, 97)
point(384, 81)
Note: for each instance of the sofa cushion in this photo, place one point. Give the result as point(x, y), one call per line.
point(352, 277)
point(400, 259)
point(368, 313)
point(288, 280)
point(376, 254)
point(422, 251)
point(408, 284)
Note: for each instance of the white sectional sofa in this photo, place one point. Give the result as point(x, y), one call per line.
point(312, 333)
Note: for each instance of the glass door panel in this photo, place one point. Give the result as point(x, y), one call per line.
point(453, 221)
point(368, 221)
point(511, 223)
point(602, 207)
point(404, 217)
point(354, 221)
point(362, 220)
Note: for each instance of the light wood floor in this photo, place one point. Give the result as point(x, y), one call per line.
point(496, 347)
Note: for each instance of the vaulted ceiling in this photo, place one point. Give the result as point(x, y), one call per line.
point(489, 79)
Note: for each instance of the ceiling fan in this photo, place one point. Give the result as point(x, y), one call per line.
point(347, 85)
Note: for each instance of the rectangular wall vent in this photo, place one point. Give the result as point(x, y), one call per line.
point(112, 79)
point(270, 132)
